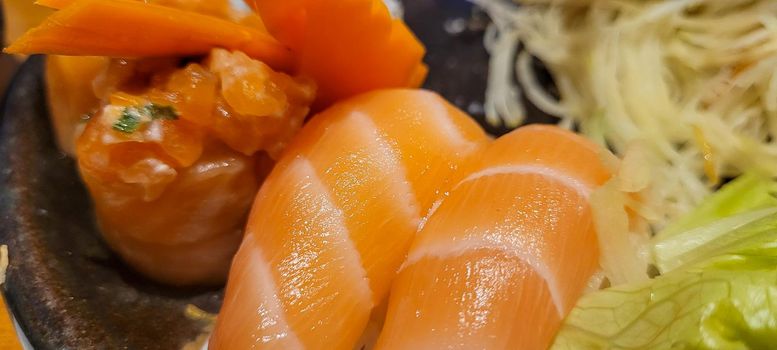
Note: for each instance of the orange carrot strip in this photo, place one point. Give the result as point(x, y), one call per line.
point(346, 46)
point(128, 28)
point(54, 4)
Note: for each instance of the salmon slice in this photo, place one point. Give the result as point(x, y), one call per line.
point(333, 222)
point(306, 247)
point(503, 258)
point(200, 262)
point(476, 302)
point(70, 95)
point(451, 129)
point(188, 231)
point(551, 148)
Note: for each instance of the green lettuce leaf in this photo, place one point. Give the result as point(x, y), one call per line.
point(716, 291)
point(737, 216)
point(746, 193)
point(728, 302)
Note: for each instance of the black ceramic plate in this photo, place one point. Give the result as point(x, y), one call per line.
point(65, 287)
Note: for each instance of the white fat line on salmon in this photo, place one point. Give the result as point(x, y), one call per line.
point(436, 205)
point(397, 171)
point(565, 179)
point(350, 253)
point(445, 123)
point(450, 249)
point(271, 310)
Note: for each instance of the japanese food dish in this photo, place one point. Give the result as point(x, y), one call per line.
point(285, 150)
point(512, 245)
point(333, 222)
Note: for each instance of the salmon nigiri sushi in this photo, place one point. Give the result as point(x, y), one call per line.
point(507, 253)
point(333, 221)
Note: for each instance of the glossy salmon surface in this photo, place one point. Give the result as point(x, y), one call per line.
point(505, 255)
point(333, 222)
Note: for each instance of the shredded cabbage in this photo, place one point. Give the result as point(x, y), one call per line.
point(693, 81)
point(624, 253)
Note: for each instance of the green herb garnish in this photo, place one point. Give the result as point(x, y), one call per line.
point(133, 117)
point(161, 112)
point(129, 121)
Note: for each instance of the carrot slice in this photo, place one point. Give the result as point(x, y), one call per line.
point(346, 46)
point(128, 28)
point(54, 4)
point(218, 8)
point(286, 19)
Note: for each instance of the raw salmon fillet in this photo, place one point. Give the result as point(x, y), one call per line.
point(506, 254)
point(333, 221)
